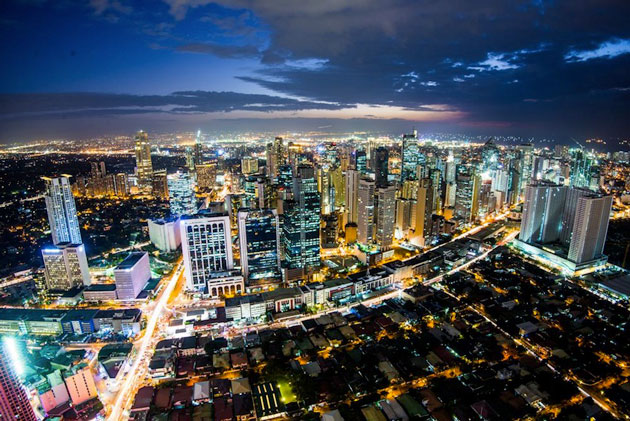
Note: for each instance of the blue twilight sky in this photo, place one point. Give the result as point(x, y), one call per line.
point(543, 68)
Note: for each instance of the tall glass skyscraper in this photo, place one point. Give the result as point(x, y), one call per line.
point(259, 237)
point(181, 194)
point(410, 154)
point(62, 212)
point(301, 238)
point(143, 159)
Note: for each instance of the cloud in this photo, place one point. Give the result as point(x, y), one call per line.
point(608, 49)
point(185, 102)
point(220, 50)
point(494, 61)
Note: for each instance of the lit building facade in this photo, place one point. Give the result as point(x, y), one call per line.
point(62, 211)
point(259, 238)
point(131, 275)
point(14, 403)
point(144, 166)
point(181, 194)
point(65, 267)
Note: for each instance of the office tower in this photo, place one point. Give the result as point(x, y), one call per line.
point(385, 215)
point(80, 383)
point(381, 166)
point(14, 403)
point(164, 234)
point(259, 242)
point(542, 213)
point(405, 216)
point(62, 212)
point(285, 178)
point(365, 211)
point(131, 275)
point(198, 152)
point(352, 191)
point(582, 164)
point(143, 160)
point(526, 165)
point(424, 201)
point(159, 185)
point(451, 168)
point(436, 182)
point(206, 176)
point(301, 222)
point(206, 248)
point(466, 194)
point(65, 267)
point(181, 194)
point(360, 161)
point(450, 197)
point(409, 154)
point(190, 158)
point(265, 193)
point(249, 166)
point(330, 230)
point(324, 188)
point(276, 156)
point(338, 184)
point(590, 227)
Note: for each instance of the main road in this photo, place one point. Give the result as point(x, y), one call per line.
point(140, 361)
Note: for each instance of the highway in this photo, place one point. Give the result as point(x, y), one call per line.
point(135, 375)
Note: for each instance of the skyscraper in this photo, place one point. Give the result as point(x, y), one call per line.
point(181, 194)
point(301, 239)
point(526, 165)
point(582, 164)
point(381, 166)
point(143, 160)
point(14, 403)
point(62, 212)
point(385, 215)
point(590, 227)
point(542, 213)
point(276, 156)
point(206, 248)
point(410, 153)
point(466, 194)
point(352, 190)
point(259, 237)
point(365, 211)
point(424, 210)
point(206, 176)
point(65, 267)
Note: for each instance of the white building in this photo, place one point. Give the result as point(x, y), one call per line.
point(206, 249)
point(164, 234)
point(590, 228)
point(131, 275)
point(62, 212)
point(365, 211)
point(65, 266)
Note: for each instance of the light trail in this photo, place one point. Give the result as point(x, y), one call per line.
point(123, 396)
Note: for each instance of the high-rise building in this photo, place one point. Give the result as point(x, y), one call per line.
point(122, 185)
point(582, 165)
point(164, 234)
point(62, 211)
point(568, 215)
point(159, 184)
point(131, 275)
point(542, 213)
point(206, 248)
point(526, 165)
point(181, 194)
point(259, 238)
point(381, 166)
point(360, 161)
point(301, 239)
point(143, 160)
point(276, 156)
point(249, 166)
point(466, 194)
point(365, 211)
point(424, 210)
point(330, 230)
point(14, 403)
point(352, 191)
point(590, 227)
point(410, 153)
point(206, 176)
point(198, 152)
point(65, 267)
point(385, 215)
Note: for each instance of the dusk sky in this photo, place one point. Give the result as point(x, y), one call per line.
point(537, 68)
